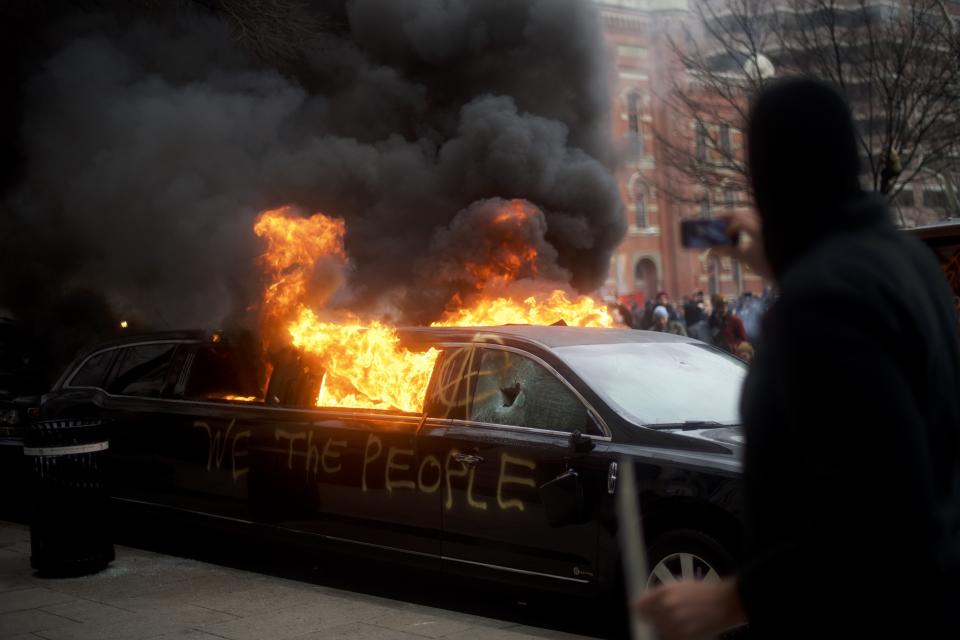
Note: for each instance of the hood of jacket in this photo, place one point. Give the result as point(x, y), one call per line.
point(805, 170)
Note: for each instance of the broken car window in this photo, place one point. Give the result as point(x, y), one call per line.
point(293, 382)
point(514, 390)
point(446, 399)
point(217, 373)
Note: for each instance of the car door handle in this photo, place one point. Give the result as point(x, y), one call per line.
point(467, 458)
point(612, 478)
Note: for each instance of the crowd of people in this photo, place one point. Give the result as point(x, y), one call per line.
point(732, 324)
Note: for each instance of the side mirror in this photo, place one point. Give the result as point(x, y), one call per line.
point(562, 499)
point(580, 443)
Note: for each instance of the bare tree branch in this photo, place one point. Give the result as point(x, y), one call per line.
point(897, 64)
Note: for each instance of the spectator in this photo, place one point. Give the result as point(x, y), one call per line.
point(663, 323)
point(636, 313)
point(663, 300)
point(715, 321)
point(750, 311)
point(693, 309)
point(626, 315)
point(646, 321)
point(745, 352)
point(696, 317)
point(621, 315)
point(730, 328)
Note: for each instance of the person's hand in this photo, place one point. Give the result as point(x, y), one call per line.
point(750, 251)
point(691, 610)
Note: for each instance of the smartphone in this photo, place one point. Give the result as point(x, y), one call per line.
point(703, 234)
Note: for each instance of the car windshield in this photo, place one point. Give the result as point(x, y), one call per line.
point(661, 383)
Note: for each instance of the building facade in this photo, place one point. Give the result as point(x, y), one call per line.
point(641, 35)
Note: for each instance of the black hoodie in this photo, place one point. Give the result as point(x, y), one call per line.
point(852, 407)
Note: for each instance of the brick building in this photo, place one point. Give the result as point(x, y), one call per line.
point(650, 257)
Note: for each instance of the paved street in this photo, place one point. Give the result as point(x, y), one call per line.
point(144, 594)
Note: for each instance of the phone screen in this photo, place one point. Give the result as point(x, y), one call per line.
point(702, 234)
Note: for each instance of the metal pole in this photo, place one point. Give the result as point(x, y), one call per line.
point(633, 551)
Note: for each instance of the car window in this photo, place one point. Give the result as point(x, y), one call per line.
point(661, 382)
point(447, 395)
point(142, 370)
point(218, 373)
point(94, 370)
point(514, 390)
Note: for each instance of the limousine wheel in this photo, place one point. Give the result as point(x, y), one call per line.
point(687, 555)
point(691, 555)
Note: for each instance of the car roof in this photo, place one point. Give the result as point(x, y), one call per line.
point(152, 336)
point(943, 228)
point(546, 336)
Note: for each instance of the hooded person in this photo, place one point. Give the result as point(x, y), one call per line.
point(663, 324)
point(852, 429)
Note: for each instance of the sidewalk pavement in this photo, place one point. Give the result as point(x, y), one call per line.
point(149, 595)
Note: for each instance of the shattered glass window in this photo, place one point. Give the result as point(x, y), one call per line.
point(514, 390)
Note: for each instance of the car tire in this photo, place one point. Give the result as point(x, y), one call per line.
point(687, 554)
point(691, 554)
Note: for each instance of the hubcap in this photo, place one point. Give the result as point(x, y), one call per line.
point(682, 566)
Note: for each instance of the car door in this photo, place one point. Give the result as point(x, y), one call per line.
point(374, 486)
point(352, 475)
point(501, 427)
point(213, 424)
point(136, 408)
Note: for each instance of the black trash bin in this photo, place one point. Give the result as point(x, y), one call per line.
point(69, 524)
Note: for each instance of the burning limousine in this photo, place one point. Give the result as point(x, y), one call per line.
point(508, 471)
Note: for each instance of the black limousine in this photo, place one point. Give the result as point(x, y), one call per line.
point(509, 473)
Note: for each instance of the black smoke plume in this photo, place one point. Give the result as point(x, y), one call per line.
point(147, 137)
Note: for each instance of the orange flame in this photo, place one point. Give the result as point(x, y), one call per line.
point(294, 245)
point(363, 362)
point(580, 312)
point(514, 258)
point(241, 398)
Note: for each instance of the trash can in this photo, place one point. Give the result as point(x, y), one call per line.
point(69, 524)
